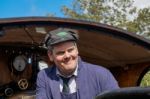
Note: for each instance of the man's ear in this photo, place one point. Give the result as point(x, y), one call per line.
point(50, 55)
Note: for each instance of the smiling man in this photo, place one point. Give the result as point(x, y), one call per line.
point(70, 77)
point(65, 56)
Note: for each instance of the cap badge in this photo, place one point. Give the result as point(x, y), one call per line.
point(61, 34)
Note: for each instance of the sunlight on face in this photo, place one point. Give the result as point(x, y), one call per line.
point(65, 56)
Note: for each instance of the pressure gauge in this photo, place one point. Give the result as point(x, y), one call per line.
point(19, 63)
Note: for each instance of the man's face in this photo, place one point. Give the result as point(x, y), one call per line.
point(65, 56)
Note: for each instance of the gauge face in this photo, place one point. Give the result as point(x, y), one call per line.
point(42, 65)
point(19, 63)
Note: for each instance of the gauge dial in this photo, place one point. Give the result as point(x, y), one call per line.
point(19, 63)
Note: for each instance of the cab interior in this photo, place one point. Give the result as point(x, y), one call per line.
point(23, 53)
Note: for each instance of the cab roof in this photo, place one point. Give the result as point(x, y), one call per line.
point(98, 43)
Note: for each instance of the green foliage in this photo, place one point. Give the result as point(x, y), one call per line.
point(118, 13)
point(146, 80)
point(113, 12)
point(143, 22)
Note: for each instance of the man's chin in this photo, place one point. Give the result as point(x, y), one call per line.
point(68, 64)
point(69, 68)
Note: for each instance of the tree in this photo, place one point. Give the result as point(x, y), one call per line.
point(142, 22)
point(118, 13)
point(145, 82)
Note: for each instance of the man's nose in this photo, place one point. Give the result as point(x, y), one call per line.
point(67, 55)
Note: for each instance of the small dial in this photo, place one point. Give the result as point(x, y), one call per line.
point(19, 63)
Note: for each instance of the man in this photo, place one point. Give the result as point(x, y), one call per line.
point(70, 77)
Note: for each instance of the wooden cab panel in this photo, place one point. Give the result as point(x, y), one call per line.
point(125, 54)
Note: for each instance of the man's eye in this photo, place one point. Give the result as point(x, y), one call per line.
point(60, 53)
point(70, 50)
